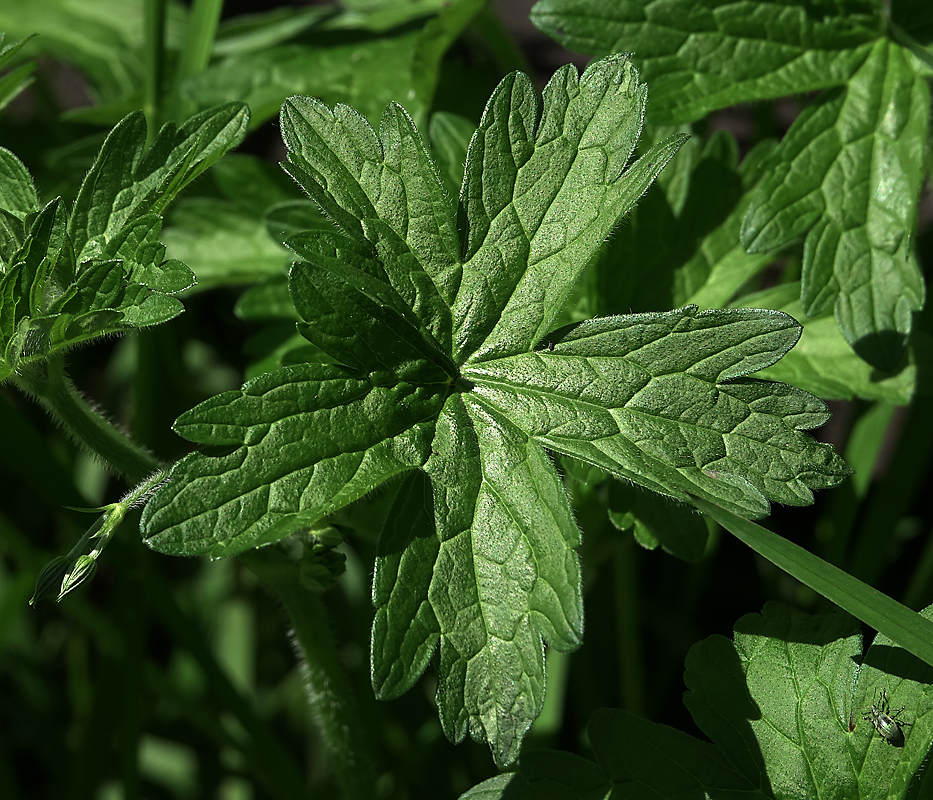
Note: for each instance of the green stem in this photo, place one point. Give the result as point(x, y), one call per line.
point(154, 36)
point(628, 635)
point(52, 388)
point(199, 37)
point(329, 694)
point(200, 32)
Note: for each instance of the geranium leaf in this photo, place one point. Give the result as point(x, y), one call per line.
point(446, 370)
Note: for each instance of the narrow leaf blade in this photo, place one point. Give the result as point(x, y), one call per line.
point(877, 610)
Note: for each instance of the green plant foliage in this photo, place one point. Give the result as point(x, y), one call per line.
point(100, 37)
point(655, 520)
point(366, 57)
point(18, 78)
point(444, 364)
point(911, 631)
point(485, 356)
point(823, 363)
point(66, 279)
point(846, 176)
point(783, 704)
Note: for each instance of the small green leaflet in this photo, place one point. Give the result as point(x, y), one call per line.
point(436, 321)
point(69, 278)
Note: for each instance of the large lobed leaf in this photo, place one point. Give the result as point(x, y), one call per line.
point(702, 56)
point(847, 175)
point(785, 705)
point(439, 364)
point(66, 279)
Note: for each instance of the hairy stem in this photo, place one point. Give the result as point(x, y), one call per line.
point(57, 394)
point(329, 693)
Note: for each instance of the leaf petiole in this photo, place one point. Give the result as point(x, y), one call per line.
point(49, 384)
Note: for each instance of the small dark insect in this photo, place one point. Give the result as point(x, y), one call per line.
point(886, 722)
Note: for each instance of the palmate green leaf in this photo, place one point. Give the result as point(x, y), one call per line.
point(783, 704)
point(848, 175)
point(785, 701)
point(778, 699)
point(849, 172)
point(701, 56)
point(436, 373)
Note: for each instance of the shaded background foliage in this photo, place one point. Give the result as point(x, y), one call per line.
point(175, 678)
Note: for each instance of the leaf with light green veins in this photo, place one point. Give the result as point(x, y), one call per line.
point(661, 400)
point(702, 56)
point(541, 194)
point(848, 176)
point(783, 703)
point(436, 374)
